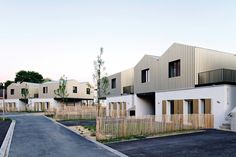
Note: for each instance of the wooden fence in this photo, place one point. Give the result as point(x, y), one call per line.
point(77, 112)
point(108, 127)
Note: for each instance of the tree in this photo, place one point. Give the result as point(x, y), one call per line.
point(61, 91)
point(28, 76)
point(7, 83)
point(25, 93)
point(100, 77)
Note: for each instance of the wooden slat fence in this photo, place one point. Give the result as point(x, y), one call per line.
point(77, 112)
point(108, 127)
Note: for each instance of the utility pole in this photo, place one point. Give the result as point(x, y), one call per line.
point(3, 100)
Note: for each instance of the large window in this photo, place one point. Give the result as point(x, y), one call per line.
point(174, 68)
point(145, 76)
point(12, 91)
point(45, 90)
point(74, 89)
point(113, 83)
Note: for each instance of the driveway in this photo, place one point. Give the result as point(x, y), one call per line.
point(211, 143)
point(36, 136)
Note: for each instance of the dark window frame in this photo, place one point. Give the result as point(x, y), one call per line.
point(174, 68)
point(45, 90)
point(145, 75)
point(113, 83)
point(75, 89)
point(12, 91)
point(88, 91)
point(172, 107)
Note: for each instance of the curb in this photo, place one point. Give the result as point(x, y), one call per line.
point(4, 151)
point(97, 143)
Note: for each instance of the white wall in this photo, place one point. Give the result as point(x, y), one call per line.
point(20, 106)
point(143, 106)
point(129, 99)
point(222, 96)
point(53, 102)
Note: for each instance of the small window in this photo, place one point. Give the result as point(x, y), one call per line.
point(113, 83)
point(172, 107)
point(145, 76)
point(190, 106)
point(88, 91)
point(45, 90)
point(12, 91)
point(74, 89)
point(24, 90)
point(174, 68)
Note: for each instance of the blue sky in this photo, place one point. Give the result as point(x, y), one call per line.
point(56, 37)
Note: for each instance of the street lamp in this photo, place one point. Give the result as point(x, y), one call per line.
point(3, 100)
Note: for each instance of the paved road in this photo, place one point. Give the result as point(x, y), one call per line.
point(36, 136)
point(212, 143)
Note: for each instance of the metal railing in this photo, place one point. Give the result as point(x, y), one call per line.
point(217, 76)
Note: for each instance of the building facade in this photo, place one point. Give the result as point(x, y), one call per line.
point(184, 80)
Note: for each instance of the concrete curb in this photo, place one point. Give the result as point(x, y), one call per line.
point(98, 143)
point(4, 151)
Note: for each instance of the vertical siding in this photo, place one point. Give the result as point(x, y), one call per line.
point(207, 60)
point(186, 54)
point(145, 63)
point(116, 91)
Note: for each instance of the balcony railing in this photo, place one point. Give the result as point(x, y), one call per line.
point(218, 76)
point(128, 90)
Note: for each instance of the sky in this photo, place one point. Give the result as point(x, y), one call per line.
point(63, 37)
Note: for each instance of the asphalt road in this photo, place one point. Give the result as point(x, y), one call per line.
point(36, 136)
point(211, 143)
point(4, 125)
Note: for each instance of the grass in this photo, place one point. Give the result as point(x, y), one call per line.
point(80, 119)
point(138, 137)
point(90, 128)
point(119, 139)
point(6, 119)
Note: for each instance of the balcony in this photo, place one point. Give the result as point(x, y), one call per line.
point(219, 76)
point(128, 90)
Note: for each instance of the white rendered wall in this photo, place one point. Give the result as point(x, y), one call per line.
point(222, 97)
point(20, 106)
point(53, 102)
point(143, 107)
point(129, 99)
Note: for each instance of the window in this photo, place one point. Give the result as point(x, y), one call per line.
point(113, 83)
point(12, 91)
point(145, 76)
point(88, 90)
point(24, 91)
point(174, 68)
point(45, 90)
point(190, 106)
point(172, 107)
point(74, 89)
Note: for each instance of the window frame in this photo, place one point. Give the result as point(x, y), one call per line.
point(174, 68)
point(145, 75)
point(88, 91)
point(45, 90)
point(75, 89)
point(12, 91)
point(113, 83)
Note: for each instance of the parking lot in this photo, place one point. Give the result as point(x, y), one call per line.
point(210, 143)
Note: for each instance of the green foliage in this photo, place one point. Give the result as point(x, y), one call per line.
point(61, 91)
point(99, 76)
point(28, 76)
point(7, 83)
point(47, 80)
point(25, 92)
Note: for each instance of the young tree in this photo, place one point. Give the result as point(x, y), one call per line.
point(25, 93)
point(61, 91)
point(100, 77)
